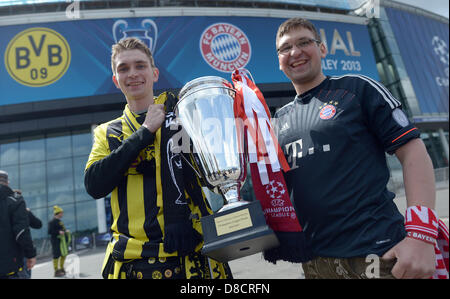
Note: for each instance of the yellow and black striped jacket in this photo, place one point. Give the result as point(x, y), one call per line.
point(137, 207)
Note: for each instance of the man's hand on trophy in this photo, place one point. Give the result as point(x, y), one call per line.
point(155, 117)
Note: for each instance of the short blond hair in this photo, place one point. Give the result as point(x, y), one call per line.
point(130, 43)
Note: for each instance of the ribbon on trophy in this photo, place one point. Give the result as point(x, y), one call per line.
point(267, 161)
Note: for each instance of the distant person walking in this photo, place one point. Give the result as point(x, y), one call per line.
point(60, 238)
point(16, 242)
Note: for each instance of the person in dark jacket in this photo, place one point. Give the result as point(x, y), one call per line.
point(16, 241)
point(35, 223)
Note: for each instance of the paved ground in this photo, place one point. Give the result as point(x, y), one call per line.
point(88, 263)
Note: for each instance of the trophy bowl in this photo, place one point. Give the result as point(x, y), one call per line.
point(205, 111)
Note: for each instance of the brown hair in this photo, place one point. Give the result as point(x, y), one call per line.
point(295, 23)
point(129, 43)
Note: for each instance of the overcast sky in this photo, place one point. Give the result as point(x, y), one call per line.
point(439, 7)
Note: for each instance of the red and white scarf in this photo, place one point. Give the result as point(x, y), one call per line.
point(267, 161)
point(422, 223)
point(441, 251)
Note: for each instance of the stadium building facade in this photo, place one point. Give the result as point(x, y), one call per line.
point(55, 75)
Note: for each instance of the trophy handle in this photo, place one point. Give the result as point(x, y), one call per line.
point(177, 122)
point(192, 166)
point(201, 177)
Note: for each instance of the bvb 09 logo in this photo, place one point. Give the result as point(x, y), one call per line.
point(37, 57)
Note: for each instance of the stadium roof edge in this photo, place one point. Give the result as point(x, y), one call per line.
point(414, 9)
point(178, 11)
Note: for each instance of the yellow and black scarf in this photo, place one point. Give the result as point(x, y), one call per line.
point(175, 183)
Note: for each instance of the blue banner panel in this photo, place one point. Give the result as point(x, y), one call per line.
point(423, 45)
point(341, 4)
point(71, 59)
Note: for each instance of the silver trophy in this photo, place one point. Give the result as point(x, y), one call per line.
point(205, 111)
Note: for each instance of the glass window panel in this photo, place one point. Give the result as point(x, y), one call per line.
point(9, 152)
point(55, 181)
point(80, 191)
point(381, 73)
point(427, 139)
point(41, 214)
point(86, 215)
point(374, 32)
point(441, 160)
point(32, 184)
point(58, 146)
point(81, 143)
point(60, 181)
point(32, 149)
point(13, 175)
point(390, 73)
point(380, 50)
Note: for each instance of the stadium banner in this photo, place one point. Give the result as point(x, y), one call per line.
point(424, 47)
point(71, 59)
point(340, 4)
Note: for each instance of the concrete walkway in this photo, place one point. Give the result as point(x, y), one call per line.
point(88, 263)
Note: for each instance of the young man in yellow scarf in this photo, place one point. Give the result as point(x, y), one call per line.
point(156, 201)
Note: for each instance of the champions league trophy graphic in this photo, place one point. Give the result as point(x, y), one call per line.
point(205, 111)
point(147, 32)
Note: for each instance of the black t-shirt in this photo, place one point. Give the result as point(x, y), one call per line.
point(335, 137)
point(54, 226)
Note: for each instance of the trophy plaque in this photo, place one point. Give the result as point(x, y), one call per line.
point(205, 111)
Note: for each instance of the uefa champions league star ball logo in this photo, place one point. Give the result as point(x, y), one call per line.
point(225, 47)
point(275, 190)
point(440, 49)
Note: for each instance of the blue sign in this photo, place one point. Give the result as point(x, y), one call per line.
point(71, 59)
point(341, 4)
point(423, 44)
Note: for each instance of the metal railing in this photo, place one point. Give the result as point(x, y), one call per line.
point(78, 243)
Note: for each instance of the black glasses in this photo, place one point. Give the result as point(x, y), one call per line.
point(301, 44)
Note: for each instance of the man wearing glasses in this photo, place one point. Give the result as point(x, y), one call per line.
point(334, 135)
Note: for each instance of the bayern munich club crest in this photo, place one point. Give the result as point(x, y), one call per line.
point(225, 47)
point(327, 112)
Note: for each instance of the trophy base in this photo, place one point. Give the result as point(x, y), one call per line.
point(236, 233)
point(233, 205)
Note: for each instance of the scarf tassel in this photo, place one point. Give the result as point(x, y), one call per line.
point(181, 237)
